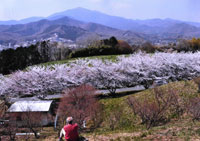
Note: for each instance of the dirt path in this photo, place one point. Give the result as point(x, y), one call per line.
point(113, 136)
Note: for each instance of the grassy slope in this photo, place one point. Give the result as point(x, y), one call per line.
point(106, 57)
point(177, 128)
point(128, 127)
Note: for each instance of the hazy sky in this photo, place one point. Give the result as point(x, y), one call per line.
point(188, 10)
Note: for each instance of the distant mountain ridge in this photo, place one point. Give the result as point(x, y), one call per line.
point(65, 28)
point(23, 21)
point(84, 23)
point(151, 26)
point(86, 15)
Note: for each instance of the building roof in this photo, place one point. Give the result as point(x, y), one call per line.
point(30, 106)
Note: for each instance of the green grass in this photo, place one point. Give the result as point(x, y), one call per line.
point(129, 127)
point(127, 122)
point(110, 57)
point(181, 127)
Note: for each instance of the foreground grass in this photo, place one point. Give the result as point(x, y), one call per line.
point(121, 124)
point(129, 126)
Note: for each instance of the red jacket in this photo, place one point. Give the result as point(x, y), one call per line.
point(71, 132)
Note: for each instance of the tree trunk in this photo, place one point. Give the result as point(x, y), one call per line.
point(35, 133)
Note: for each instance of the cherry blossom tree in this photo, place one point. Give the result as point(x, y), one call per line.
point(126, 71)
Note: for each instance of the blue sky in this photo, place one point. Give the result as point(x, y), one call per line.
point(188, 10)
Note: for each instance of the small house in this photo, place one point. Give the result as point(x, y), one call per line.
point(35, 112)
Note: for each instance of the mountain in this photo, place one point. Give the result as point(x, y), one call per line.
point(23, 21)
point(65, 28)
point(96, 17)
point(10, 22)
point(156, 27)
point(86, 15)
point(31, 19)
point(96, 25)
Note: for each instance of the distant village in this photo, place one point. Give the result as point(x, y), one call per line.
point(55, 38)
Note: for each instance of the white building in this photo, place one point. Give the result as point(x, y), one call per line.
point(42, 110)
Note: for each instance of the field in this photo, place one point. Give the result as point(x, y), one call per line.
point(122, 70)
point(66, 61)
point(121, 124)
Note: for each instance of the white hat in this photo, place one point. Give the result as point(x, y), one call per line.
point(69, 119)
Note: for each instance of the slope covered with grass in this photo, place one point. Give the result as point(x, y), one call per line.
point(112, 58)
point(178, 128)
point(119, 122)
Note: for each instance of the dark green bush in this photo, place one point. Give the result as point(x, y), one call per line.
point(105, 47)
point(93, 51)
point(11, 60)
point(101, 50)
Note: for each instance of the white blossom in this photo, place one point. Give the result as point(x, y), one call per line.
point(128, 71)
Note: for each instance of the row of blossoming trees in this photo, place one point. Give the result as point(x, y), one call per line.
point(136, 69)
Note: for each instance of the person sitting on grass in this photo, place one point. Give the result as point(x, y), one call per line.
point(70, 130)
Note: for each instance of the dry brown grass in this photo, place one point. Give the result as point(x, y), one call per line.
point(129, 126)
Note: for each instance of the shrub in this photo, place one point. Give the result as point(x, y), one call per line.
point(9, 128)
point(195, 44)
point(30, 121)
point(177, 105)
point(12, 60)
point(18, 59)
point(110, 42)
point(183, 46)
point(189, 45)
point(81, 104)
point(124, 47)
point(93, 51)
point(154, 112)
point(104, 47)
point(114, 118)
point(194, 108)
point(197, 81)
point(148, 48)
point(150, 112)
